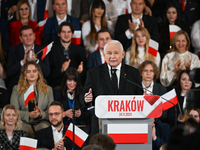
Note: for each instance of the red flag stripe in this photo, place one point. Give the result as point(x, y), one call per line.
point(171, 34)
point(156, 113)
point(45, 14)
point(22, 147)
point(77, 139)
point(152, 51)
point(44, 52)
point(130, 138)
point(76, 41)
point(30, 97)
point(168, 105)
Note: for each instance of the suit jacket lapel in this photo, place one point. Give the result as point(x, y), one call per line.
point(98, 57)
point(55, 24)
point(122, 80)
point(20, 52)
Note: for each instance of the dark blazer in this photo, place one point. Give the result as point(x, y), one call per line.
point(45, 139)
point(94, 59)
point(15, 55)
point(98, 79)
point(122, 25)
point(40, 9)
point(57, 58)
point(50, 29)
point(159, 89)
point(4, 34)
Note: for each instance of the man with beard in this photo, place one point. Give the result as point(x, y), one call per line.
point(52, 137)
point(65, 54)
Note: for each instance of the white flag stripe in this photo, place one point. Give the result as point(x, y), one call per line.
point(42, 23)
point(127, 128)
point(153, 44)
point(28, 142)
point(49, 47)
point(80, 133)
point(30, 89)
point(174, 28)
point(77, 34)
point(169, 95)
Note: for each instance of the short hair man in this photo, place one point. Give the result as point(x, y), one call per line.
point(50, 29)
point(52, 137)
point(23, 52)
point(107, 79)
point(65, 54)
point(127, 24)
point(96, 58)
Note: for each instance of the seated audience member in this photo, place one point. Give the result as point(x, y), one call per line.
point(138, 52)
point(52, 136)
point(171, 17)
point(91, 27)
point(51, 26)
point(96, 58)
point(92, 147)
point(23, 15)
point(7, 8)
point(34, 115)
point(103, 140)
point(10, 126)
point(21, 53)
point(179, 59)
point(128, 23)
point(68, 95)
point(195, 37)
point(65, 54)
point(183, 85)
point(5, 35)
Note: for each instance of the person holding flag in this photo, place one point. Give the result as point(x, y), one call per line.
point(34, 115)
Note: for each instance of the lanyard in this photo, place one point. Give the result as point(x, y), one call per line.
point(71, 103)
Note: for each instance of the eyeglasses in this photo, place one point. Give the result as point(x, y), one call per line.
point(22, 9)
point(55, 114)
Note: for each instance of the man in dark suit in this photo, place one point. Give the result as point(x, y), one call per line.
point(65, 54)
point(23, 52)
point(96, 58)
point(50, 29)
point(127, 24)
point(4, 34)
point(52, 136)
point(110, 78)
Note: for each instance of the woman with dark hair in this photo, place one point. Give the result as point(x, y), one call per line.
point(183, 85)
point(68, 95)
point(171, 17)
point(97, 21)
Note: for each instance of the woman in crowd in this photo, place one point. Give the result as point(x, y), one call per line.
point(138, 52)
point(171, 17)
point(91, 27)
point(183, 85)
point(10, 132)
point(35, 114)
point(179, 59)
point(69, 97)
point(23, 15)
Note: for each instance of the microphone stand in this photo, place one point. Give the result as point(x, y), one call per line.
point(73, 120)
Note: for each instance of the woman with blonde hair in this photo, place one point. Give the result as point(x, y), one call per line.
point(35, 114)
point(10, 126)
point(138, 52)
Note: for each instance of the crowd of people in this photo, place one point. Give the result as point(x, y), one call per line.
point(113, 51)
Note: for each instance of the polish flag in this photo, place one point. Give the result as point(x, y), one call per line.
point(76, 39)
point(79, 136)
point(29, 95)
point(46, 50)
point(27, 143)
point(96, 47)
point(153, 47)
point(169, 99)
point(173, 29)
point(128, 133)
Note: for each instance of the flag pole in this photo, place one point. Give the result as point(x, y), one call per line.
point(39, 52)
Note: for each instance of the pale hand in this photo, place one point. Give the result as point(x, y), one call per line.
point(88, 96)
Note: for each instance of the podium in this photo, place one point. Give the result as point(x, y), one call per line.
point(127, 119)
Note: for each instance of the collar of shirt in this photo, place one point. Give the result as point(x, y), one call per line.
point(61, 20)
point(136, 20)
point(102, 57)
point(150, 88)
point(26, 49)
point(57, 135)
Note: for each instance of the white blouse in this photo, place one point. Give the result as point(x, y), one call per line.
point(195, 36)
point(141, 55)
point(167, 76)
point(86, 28)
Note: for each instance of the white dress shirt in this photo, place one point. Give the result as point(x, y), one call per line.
point(102, 57)
point(61, 20)
point(117, 72)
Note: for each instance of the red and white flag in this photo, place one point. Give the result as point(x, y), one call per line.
point(173, 29)
point(27, 143)
point(79, 136)
point(128, 133)
point(170, 99)
point(153, 47)
point(76, 39)
point(29, 95)
point(46, 50)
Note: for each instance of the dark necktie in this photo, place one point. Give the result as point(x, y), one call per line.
point(114, 80)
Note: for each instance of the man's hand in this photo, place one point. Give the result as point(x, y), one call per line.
point(77, 113)
point(80, 67)
point(33, 57)
point(132, 26)
point(88, 96)
point(141, 23)
point(69, 113)
point(59, 145)
point(65, 65)
point(147, 11)
point(25, 56)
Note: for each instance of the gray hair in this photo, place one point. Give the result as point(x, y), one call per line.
point(114, 42)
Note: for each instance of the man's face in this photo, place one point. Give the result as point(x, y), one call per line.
point(60, 7)
point(103, 38)
point(137, 7)
point(147, 73)
point(65, 34)
point(27, 37)
point(113, 54)
point(56, 115)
